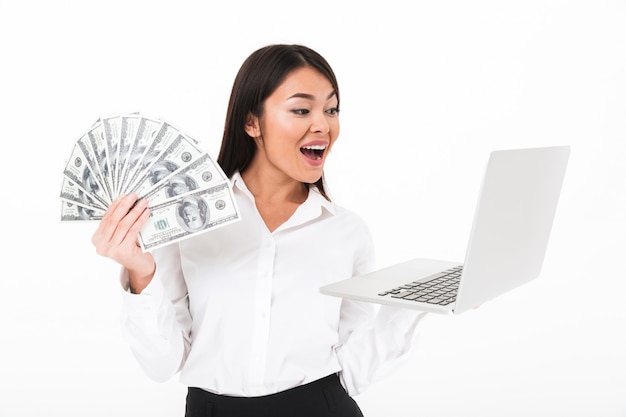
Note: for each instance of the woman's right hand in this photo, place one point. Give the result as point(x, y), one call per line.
point(117, 238)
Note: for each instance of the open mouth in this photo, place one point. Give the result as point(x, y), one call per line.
point(315, 152)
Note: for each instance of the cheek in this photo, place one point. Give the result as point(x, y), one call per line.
point(334, 131)
point(279, 131)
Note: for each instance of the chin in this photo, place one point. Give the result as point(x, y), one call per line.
point(311, 179)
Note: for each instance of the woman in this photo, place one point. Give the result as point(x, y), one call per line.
point(237, 310)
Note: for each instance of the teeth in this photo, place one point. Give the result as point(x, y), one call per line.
point(315, 147)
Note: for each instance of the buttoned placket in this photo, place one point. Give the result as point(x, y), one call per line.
point(264, 288)
point(262, 308)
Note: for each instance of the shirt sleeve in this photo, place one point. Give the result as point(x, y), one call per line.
point(156, 323)
point(373, 340)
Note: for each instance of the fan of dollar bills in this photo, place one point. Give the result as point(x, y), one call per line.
point(187, 191)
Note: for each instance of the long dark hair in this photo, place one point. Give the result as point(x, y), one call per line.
point(259, 76)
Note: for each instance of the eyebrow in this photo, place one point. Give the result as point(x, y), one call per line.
point(311, 97)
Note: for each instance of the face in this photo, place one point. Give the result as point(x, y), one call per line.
point(298, 127)
point(178, 186)
point(191, 216)
point(161, 170)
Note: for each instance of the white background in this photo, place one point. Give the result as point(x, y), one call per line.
point(428, 89)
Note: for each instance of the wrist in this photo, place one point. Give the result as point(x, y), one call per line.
point(139, 278)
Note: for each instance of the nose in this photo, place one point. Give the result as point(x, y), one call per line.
point(319, 123)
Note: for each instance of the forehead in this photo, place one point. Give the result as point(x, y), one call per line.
point(307, 81)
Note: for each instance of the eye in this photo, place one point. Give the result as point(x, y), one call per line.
point(301, 112)
point(333, 111)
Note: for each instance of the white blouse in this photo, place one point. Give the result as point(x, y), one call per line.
point(237, 310)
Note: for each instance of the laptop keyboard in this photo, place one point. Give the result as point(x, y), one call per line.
point(438, 289)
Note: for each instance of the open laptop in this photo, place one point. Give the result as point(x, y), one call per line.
point(507, 243)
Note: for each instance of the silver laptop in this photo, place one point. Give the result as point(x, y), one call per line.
point(507, 243)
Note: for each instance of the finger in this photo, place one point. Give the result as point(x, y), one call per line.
point(129, 226)
point(119, 208)
point(136, 227)
point(143, 212)
point(109, 222)
point(129, 250)
point(116, 211)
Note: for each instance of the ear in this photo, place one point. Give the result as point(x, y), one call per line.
point(253, 128)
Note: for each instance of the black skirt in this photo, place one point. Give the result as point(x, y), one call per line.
point(325, 397)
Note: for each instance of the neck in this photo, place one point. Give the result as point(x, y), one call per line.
point(274, 189)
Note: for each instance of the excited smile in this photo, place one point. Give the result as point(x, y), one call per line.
point(314, 152)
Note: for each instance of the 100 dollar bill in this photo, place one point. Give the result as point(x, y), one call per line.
point(189, 215)
point(200, 174)
point(180, 153)
point(73, 212)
